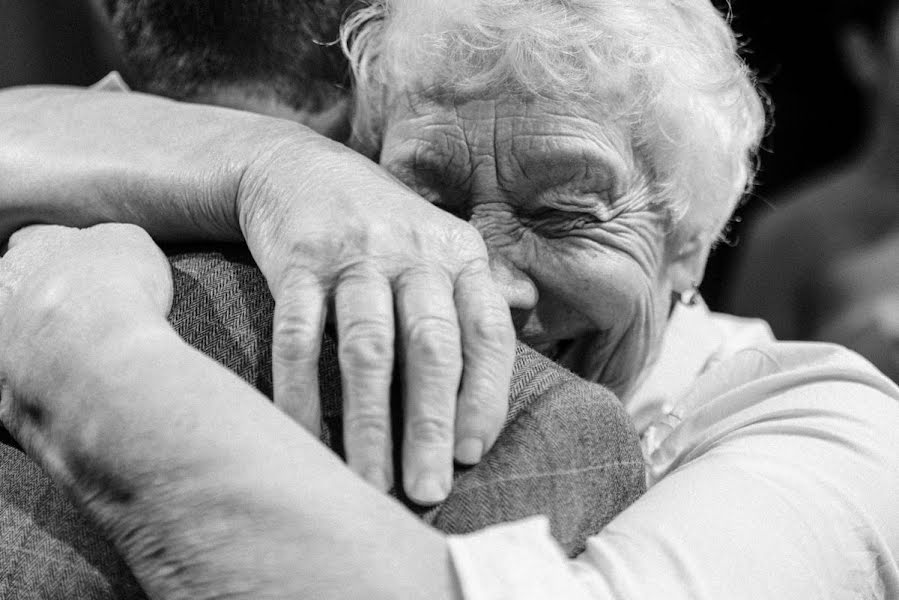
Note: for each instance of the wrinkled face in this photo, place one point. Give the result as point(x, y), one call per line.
point(576, 239)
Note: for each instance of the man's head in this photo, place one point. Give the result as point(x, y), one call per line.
point(598, 146)
point(277, 57)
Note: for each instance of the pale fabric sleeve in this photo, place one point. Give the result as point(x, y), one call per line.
point(779, 480)
point(515, 561)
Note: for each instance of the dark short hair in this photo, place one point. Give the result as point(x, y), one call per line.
point(871, 15)
point(178, 48)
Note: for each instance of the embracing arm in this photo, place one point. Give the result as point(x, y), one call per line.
point(326, 226)
point(233, 500)
point(79, 157)
point(205, 488)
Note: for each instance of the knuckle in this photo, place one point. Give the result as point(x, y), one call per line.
point(369, 426)
point(434, 339)
point(493, 329)
point(360, 273)
point(483, 410)
point(478, 267)
point(296, 275)
point(420, 273)
point(430, 431)
point(469, 235)
point(366, 346)
point(294, 339)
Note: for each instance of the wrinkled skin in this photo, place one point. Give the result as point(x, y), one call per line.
point(578, 242)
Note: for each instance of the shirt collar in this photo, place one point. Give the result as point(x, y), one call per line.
point(690, 340)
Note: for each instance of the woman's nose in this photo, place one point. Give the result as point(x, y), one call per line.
point(517, 288)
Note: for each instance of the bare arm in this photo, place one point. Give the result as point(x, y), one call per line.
point(77, 157)
point(326, 227)
point(230, 502)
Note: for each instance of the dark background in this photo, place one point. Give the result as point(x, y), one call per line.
point(817, 116)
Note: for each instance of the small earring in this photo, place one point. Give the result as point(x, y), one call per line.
point(689, 297)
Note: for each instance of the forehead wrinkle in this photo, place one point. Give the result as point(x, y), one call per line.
point(447, 130)
point(470, 120)
point(540, 123)
point(410, 147)
point(450, 146)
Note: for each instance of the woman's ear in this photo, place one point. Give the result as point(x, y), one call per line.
point(688, 258)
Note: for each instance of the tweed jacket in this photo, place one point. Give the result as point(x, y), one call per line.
point(567, 450)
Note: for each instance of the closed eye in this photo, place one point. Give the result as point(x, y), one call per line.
point(553, 222)
point(568, 198)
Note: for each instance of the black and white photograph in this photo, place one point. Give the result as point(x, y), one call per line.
point(449, 300)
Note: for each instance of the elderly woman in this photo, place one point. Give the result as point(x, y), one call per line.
point(597, 148)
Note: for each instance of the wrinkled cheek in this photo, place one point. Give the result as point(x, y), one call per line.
point(614, 357)
point(627, 330)
point(610, 290)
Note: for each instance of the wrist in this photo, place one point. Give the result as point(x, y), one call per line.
point(282, 173)
point(50, 352)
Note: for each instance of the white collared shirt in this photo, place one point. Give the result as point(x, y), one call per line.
point(773, 471)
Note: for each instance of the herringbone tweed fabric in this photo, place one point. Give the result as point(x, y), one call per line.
point(568, 449)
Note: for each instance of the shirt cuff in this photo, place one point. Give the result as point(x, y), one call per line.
point(516, 560)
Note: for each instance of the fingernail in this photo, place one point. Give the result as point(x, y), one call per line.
point(469, 451)
point(429, 489)
point(377, 478)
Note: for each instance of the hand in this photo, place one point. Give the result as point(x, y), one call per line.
point(128, 434)
point(394, 271)
point(318, 219)
point(59, 284)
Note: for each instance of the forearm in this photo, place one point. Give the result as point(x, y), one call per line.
point(208, 490)
point(78, 157)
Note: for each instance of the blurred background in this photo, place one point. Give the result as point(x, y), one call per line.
point(52, 41)
point(818, 119)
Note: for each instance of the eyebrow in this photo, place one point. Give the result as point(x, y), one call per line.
point(584, 171)
point(571, 148)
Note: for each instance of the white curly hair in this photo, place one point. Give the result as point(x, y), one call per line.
point(669, 70)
